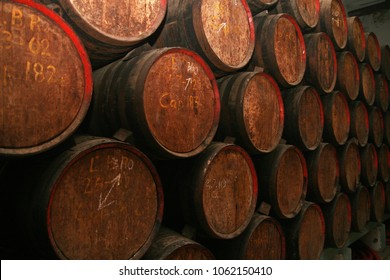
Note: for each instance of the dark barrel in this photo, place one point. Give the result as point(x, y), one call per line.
point(386, 122)
point(221, 31)
point(369, 160)
point(376, 134)
point(306, 233)
point(323, 169)
point(360, 125)
point(111, 28)
point(279, 48)
point(333, 21)
point(382, 95)
point(263, 239)
point(384, 163)
point(373, 51)
point(214, 192)
point(367, 84)
point(282, 176)
point(387, 193)
point(361, 208)
point(304, 117)
point(305, 12)
point(321, 67)
point(378, 202)
point(385, 61)
point(336, 118)
point(170, 245)
point(337, 216)
point(46, 84)
point(168, 98)
point(251, 111)
point(350, 166)
point(348, 75)
point(98, 199)
point(257, 6)
point(356, 38)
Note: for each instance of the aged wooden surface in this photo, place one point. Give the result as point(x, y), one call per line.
point(350, 166)
point(336, 118)
point(282, 178)
point(360, 126)
point(348, 75)
point(170, 245)
point(376, 133)
point(306, 233)
point(251, 111)
point(167, 97)
point(387, 193)
point(386, 122)
point(280, 48)
point(384, 163)
point(257, 6)
point(360, 206)
point(378, 201)
point(304, 117)
point(321, 67)
point(221, 31)
point(369, 160)
point(337, 216)
point(333, 21)
point(323, 170)
point(305, 12)
point(373, 51)
point(367, 84)
point(382, 94)
point(385, 61)
point(46, 83)
point(356, 38)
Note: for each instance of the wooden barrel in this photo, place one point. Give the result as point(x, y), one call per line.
point(337, 118)
point(369, 160)
point(168, 98)
point(386, 122)
point(367, 84)
point(337, 216)
point(385, 61)
point(361, 208)
point(384, 163)
point(356, 42)
point(263, 239)
point(323, 169)
point(99, 199)
point(304, 117)
point(378, 202)
point(387, 193)
point(215, 192)
point(170, 245)
point(333, 21)
point(373, 51)
point(350, 166)
point(382, 95)
point(360, 125)
point(251, 111)
point(51, 64)
point(221, 31)
point(257, 6)
point(321, 67)
point(348, 75)
point(111, 28)
point(376, 134)
point(305, 12)
point(282, 177)
point(306, 233)
point(280, 48)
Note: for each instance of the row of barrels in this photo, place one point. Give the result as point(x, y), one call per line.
point(100, 198)
point(171, 79)
point(104, 199)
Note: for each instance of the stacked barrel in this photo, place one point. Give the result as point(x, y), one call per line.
point(212, 129)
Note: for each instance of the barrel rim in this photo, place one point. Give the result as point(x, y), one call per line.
point(343, 56)
point(317, 8)
point(369, 148)
point(343, 176)
point(372, 135)
point(87, 96)
point(212, 56)
point(378, 101)
point(215, 148)
point(66, 161)
point(350, 42)
point(378, 187)
point(380, 152)
point(355, 202)
point(378, 51)
point(91, 30)
point(359, 105)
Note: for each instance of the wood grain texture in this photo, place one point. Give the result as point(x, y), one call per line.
point(373, 51)
point(356, 38)
point(360, 125)
point(350, 166)
point(361, 208)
